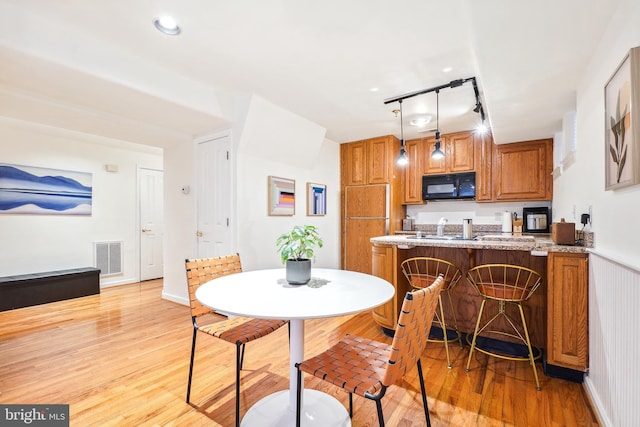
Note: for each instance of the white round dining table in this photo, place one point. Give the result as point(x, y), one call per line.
point(266, 294)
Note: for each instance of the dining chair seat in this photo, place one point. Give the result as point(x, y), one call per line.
point(367, 367)
point(236, 330)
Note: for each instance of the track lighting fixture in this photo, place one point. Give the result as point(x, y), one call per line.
point(437, 153)
point(402, 158)
point(478, 108)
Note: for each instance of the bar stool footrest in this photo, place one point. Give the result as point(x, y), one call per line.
point(435, 335)
point(504, 349)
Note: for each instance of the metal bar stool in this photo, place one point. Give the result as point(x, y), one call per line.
point(421, 272)
point(510, 284)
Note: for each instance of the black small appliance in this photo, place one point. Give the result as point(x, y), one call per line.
point(449, 186)
point(536, 219)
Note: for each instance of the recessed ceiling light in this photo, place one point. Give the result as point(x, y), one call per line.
point(420, 121)
point(447, 69)
point(167, 25)
point(374, 89)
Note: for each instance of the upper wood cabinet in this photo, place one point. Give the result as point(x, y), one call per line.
point(567, 310)
point(484, 167)
point(369, 161)
point(519, 171)
point(522, 171)
point(458, 154)
point(412, 173)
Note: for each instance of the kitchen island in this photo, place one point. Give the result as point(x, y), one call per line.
point(556, 313)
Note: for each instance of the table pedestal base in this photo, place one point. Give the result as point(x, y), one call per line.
point(318, 409)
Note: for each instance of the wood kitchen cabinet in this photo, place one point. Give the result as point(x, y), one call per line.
point(412, 173)
point(370, 179)
point(518, 171)
point(458, 154)
point(369, 161)
point(522, 171)
point(384, 265)
point(567, 310)
point(484, 167)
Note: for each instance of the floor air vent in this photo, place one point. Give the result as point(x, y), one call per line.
point(108, 257)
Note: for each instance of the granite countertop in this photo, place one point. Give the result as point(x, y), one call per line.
point(538, 245)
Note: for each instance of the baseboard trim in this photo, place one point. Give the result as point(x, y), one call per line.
point(596, 403)
point(175, 298)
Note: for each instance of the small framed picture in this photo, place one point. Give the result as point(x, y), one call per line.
point(316, 199)
point(282, 196)
point(622, 123)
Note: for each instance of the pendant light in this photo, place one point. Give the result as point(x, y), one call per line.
point(402, 158)
point(437, 153)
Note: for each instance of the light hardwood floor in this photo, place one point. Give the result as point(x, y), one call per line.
point(121, 359)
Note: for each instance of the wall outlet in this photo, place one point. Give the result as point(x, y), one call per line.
point(498, 216)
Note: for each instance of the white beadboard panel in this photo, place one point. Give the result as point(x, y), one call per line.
point(614, 353)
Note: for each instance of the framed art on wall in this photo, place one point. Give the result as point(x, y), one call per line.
point(36, 190)
point(282, 196)
point(316, 199)
point(622, 123)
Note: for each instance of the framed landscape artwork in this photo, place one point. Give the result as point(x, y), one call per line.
point(282, 196)
point(316, 199)
point(622, 123)
point(36, 190)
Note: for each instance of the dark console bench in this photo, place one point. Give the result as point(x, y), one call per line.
point(25, 290)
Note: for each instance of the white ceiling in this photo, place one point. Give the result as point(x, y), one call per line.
point(101, 67)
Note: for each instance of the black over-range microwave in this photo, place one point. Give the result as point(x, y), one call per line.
point(449, 186)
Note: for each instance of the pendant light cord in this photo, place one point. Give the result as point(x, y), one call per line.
point(401, 126)
point(437, 113)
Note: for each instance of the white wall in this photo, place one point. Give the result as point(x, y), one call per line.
point(258, 231)
point(615, 213)
point(255, 127)
point(36, 243)
point(456, 211)
point(180, 218)
point(616, 230)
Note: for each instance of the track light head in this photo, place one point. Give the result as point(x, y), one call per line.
point(437, 153)
point(402, 158)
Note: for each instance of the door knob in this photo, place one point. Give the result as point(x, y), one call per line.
point(145, 230)
point(199, 233)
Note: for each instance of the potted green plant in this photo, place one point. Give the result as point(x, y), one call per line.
point(296, 249)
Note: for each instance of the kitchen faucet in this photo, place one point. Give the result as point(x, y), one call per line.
point(441, 224)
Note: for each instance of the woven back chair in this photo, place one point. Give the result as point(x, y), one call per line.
point(236, 330)
point(367, 367)
point(506, 284)
point(421, 272)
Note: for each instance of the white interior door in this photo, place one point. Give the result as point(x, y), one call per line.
point(150, 186)
point(214, 197)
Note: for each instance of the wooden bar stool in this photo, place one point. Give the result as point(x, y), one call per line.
point(421, 272)
point(510, 284)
